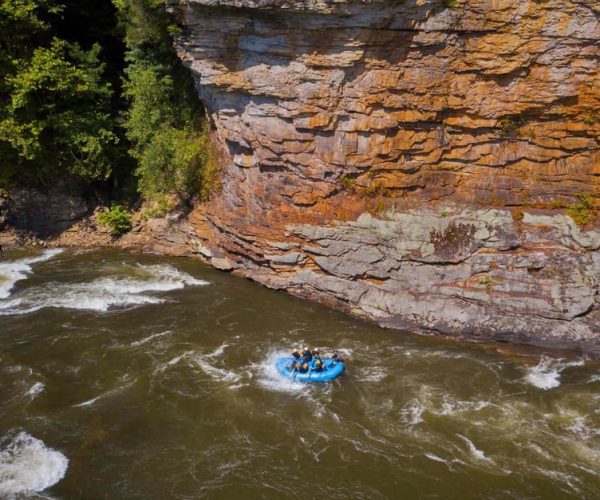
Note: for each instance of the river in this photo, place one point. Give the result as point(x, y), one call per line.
point(135, 376)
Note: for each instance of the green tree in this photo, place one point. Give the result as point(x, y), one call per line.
point(84, 98)
point(163, 120)
point(55, 105)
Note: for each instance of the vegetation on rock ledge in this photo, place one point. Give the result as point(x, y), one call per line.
point(117, 219)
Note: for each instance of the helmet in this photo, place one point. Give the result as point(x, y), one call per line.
point(305, 348)
point(317, 351)
point(294, 349)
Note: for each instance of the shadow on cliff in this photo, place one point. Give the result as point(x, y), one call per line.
point(242, 38)
point(43, 214)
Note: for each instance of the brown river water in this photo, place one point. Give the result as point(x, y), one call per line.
point(135, 376)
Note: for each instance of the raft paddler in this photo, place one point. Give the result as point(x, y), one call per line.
point(296, 361)
point(318, 364)
point(306, 355)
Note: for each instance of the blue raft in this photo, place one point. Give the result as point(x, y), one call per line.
point(331, 370)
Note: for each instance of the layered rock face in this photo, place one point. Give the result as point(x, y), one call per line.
point(377, 153)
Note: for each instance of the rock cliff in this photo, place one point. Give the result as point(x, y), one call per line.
point(408, 161)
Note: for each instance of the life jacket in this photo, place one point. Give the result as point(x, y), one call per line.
point(307, 356)
point(304, 367)
point(319, 364)
point(296, 355)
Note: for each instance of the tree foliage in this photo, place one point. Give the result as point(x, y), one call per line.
point(55, 117)
point(162, 120)
point(94, 90)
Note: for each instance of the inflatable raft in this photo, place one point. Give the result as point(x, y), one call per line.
point(331, 369)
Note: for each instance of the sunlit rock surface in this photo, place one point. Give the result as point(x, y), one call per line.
point(377, 152)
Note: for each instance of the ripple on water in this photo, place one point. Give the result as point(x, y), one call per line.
point(35, 389)
point(126, 383)
point(17, 270)
point(475, 452)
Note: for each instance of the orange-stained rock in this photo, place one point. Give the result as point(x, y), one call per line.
point(333, 110)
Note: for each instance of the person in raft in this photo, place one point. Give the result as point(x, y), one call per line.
point(301, 363)
point(336, 357)
point(296, 363)
point(318, 361)
point(306, 355)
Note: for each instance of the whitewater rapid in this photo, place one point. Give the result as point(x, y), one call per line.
point(117, 287)
point(28, 466)
point(21, 269)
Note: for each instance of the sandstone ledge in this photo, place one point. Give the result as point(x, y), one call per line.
point(476, 274)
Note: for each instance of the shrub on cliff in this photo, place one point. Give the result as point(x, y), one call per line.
point(582, 212)
point(117, 219)
point(172, 163)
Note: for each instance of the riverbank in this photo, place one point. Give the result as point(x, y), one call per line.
point(473, 274)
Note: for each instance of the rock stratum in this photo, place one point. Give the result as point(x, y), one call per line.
point(407, 161)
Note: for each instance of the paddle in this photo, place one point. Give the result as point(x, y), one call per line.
point(293, 370)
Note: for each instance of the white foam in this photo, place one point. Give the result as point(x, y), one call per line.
point(145, 340)
point(452, 407)
point(580, 426)
point(213, 372)
point(194, 359)
point(11, 272)
point(477, 453)
point(89, 402)
point(27, 465)
point(374, 374)
point(561, 477)
point(435, 458)
point(36, 389)
point(540, 451)
point(412, 414)
point(218, 351)
point(546, 374)
point(174, 361)
point(103, 294)
point(126, 385)
point(269, 377)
